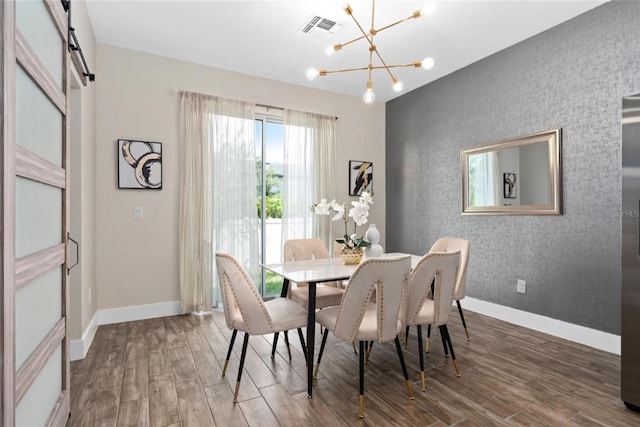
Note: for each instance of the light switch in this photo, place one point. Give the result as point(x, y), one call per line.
point(137, 212)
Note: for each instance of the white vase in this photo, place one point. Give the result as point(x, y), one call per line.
point(373, 237)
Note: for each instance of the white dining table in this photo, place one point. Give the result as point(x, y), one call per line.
point(313, 272)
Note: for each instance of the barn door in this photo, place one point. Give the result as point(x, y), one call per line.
point(34, 213)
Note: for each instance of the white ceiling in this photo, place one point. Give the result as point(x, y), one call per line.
point(261, 38)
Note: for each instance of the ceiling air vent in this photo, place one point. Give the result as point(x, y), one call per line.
point(316, 22)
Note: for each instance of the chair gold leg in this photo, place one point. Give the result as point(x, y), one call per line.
point(466, 331)
point(224, 370)
point(424, 383)
point(410, 390)
point(235, 394)
point(455, 365)
point(361, 406)
point(354, 347)
point(368, 354)
point(427, 345)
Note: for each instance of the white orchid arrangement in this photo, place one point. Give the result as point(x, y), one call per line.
point(359, 212)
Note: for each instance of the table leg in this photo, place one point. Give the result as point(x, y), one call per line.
point(285, 288)
point(311, 336)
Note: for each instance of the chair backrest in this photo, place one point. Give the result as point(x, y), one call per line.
point(388, 277)
point(241, 297)
point(337, 247)
point(304, 249)
point(441, 266)
point(452, 244)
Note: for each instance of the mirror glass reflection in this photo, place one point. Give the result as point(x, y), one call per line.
point(518, 176)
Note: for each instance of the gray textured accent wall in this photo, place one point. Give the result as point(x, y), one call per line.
point(572, 76)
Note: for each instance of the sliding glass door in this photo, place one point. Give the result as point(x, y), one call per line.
point(269, 167)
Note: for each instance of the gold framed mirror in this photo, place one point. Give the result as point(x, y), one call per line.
point(518, 176)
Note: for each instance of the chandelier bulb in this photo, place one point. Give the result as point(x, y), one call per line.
point(428, 9)
point(369, 96)
point(398, 86)
point(427, 63)
point(312, 73)
point(332, 48)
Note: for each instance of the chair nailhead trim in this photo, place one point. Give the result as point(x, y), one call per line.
point(254, 290)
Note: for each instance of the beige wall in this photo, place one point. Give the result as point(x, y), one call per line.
point(83, 183)
point(137, 260)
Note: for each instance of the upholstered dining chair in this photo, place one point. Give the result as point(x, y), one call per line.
point(439, 269)
point(327, 294)
point(357, 319)
point(452, 244)
point(245, 310)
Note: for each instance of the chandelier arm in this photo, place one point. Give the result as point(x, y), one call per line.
point(413, 64)
point(373, 14)
point(344, 70)
point(352, 41)
point(384, 65)
point(373, 67)
point(370, 66)
point(364, 33)
point(396, 23)
point(415, 15)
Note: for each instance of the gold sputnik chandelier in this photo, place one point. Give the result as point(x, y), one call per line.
point(369, 96)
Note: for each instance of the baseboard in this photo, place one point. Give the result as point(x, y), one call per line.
point(78, 348)
point(558, 328)
point(580, 334)
point(138, 312)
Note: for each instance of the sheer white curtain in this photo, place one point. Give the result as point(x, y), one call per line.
point(218, 194)
point(488, 179)
point(309, 159)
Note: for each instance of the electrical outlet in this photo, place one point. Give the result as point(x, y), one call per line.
point(522, 286)
point(137, 212)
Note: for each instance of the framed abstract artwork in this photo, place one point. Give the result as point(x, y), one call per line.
point(360, 177)
point(139, 164)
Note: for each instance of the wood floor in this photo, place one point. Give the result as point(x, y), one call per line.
point(167, 372)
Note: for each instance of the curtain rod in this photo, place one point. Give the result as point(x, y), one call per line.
point(267, 106)
point(270, 106)
point(279, 108)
